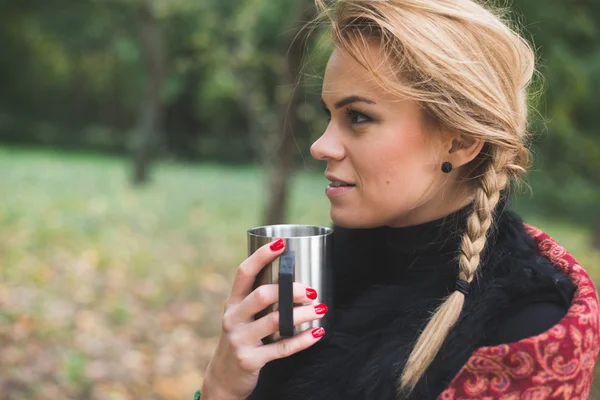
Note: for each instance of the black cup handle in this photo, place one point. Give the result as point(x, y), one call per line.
point(286, 294)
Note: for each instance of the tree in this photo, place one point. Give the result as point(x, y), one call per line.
point(263, 70)
point(281, 168)
point(147, 133)
point(566, 180)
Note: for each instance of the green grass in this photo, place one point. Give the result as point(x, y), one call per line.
point(107, 291)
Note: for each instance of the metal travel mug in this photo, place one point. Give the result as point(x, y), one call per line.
point(307, 259)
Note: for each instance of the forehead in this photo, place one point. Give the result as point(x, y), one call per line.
point(344, 76)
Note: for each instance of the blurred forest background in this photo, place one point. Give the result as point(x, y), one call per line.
point(140, 139)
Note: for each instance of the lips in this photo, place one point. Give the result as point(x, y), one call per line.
point(340, 184)
point(334, 191)
point(337, 182)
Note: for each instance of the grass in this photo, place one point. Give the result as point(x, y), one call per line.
point(110, 292)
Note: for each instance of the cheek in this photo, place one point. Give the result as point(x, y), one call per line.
point(403, 163)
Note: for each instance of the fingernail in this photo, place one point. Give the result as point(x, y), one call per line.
point(311, 293)
point(278, 245)
point(321, 309)
point(317, 333)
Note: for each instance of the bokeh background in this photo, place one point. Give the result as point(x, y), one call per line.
point(140, 139)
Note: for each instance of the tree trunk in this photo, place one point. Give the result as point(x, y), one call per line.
point(281, 168)
point(147, 133)
point(261, 116)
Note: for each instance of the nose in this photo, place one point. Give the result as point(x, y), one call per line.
point(328, 146)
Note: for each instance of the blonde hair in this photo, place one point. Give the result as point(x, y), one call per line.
point(470, 72)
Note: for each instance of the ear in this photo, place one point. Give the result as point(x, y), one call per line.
point(460, 151)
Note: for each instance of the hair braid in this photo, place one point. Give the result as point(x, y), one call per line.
point(487, 195)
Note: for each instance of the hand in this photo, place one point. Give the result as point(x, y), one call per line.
point(233, 371)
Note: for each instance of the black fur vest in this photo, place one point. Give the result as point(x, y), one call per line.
point(387, 283)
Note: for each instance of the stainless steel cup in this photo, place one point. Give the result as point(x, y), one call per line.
point(307, 259)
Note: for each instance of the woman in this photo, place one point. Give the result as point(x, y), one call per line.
point(427, 131)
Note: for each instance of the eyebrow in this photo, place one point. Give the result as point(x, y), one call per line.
point(349, 100)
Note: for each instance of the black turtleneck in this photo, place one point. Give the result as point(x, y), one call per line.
point(423, 259)
point(387, 281)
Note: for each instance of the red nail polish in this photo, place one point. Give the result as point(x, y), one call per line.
point(321, 309)
point(317, 333)
point(278, 245)
point(311, 293)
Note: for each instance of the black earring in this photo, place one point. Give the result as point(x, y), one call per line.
point(446, 167)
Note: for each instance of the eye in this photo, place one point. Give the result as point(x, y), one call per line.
point(356, 117)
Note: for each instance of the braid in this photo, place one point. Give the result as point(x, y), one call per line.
point(487, 195)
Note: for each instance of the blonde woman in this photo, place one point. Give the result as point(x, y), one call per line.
point(441, 291)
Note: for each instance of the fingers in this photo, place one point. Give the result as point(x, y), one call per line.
point(265, 295)
point(247, 271)
point(269, 324)
point(287, 347)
